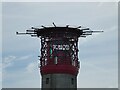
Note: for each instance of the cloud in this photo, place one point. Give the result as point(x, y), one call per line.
point(31, 67)
point(27, 77)
point(97, 73)
point(8, 61)
point(24, 57)
point(20, 74)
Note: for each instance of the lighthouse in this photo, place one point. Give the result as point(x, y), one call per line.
point(59, 63)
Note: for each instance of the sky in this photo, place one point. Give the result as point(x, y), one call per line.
point(98, 53)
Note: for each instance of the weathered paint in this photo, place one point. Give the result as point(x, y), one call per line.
point(59, 81)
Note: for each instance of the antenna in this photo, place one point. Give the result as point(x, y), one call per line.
point(36, 32)
point(33, 33)
point(20, 33)
point(54, 24)
point(79, 27)
point(43, 26)
point(87, 31)
point(34, 28)
point(67, 26)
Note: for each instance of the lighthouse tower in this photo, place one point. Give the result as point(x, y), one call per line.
point(59, 63)
point(59, 57)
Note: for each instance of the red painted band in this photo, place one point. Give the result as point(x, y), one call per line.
point(55, 69)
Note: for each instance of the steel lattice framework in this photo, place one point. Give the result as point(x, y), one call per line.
point(59, 48)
